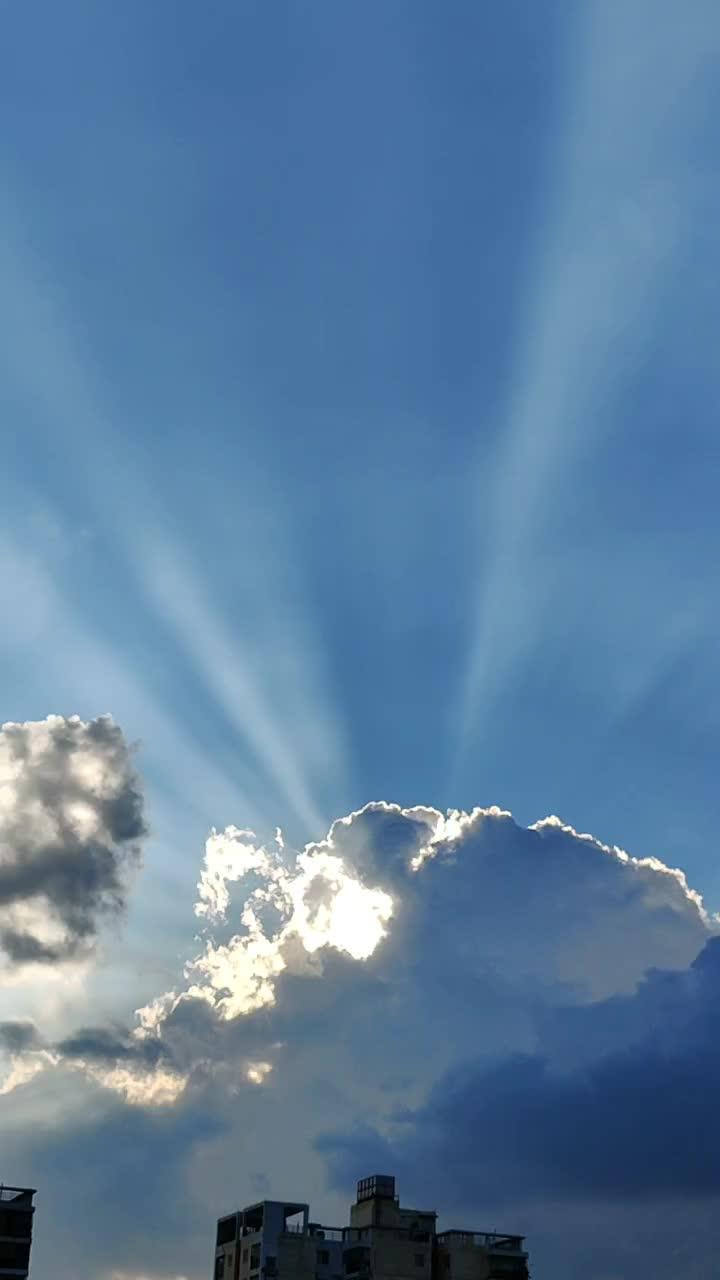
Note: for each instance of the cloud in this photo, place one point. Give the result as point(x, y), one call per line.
point(315, 900)
point(519, 918)
point(16, 1036)
point(71, 828)
point(385, 994)
point(609, 1128)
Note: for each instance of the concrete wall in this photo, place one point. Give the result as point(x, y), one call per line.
point(462, 1262)
point(296, 1257)
point(400, 1259)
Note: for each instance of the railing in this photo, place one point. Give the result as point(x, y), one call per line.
point(484, 1239)
point(386, 1232)
point(16, 1193)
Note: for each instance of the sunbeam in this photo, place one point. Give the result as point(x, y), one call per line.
point(617, 219)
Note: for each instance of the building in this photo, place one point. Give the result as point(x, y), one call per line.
point(275, 1240)
point(16, 1226)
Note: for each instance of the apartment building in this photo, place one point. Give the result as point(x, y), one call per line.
point(16, 1228)
point(275, 1240)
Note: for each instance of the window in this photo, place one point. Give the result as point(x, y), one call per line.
point(226, 1230)
point(419, 1259)
point(244, 1255)
point(323, 1257)
point(219, 1268)
point(14, 1256)
point(16, 1224)
point(254, 1257)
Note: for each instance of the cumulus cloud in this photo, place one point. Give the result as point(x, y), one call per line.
point(71, 826)
point(398, 985)
point(410, 918)
point(609, 1127)
point(602, 1127)
point(301, 904)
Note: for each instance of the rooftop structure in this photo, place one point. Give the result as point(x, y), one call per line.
point(16, 1226)
point(275, 1240)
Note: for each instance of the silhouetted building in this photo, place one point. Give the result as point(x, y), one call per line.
point(275, 1240)
point(16, 1226)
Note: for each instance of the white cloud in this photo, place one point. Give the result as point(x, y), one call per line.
point(20, 1069)
point(139, 1088)
point(318, 902)
point(256, 1072)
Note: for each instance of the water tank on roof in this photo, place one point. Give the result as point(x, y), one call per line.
point(380, 1186)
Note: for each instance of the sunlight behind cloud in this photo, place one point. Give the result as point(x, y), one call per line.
point(256, 1072)
point(20, 1069)
point(318, 902)
point(158, 1088)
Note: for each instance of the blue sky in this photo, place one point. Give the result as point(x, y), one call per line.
point(358, 390)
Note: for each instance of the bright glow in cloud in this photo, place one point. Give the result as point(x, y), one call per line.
point(452, 826)
point(318, 901)
point(229, 856)
point(256, 1072)
point(156, 1088)
point(22, 1068)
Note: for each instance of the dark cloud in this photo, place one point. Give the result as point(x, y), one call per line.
point(17, 1036)
point(120, 1175)
point(24, 948)
point(112, 1045)
point(536, 905)
point(71, 828)
point(639, 1121)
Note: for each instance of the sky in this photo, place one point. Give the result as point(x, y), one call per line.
point(358, 545)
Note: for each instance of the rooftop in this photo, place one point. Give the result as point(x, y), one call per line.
point(8, 1194)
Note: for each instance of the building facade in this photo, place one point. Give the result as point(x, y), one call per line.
point(275, 1240)
point(16, 1228)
